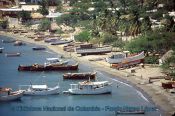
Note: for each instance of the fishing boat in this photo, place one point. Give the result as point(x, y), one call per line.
point(93, 51)
point(1, 50)
point(13, 54)
point(39, 89)
point(132, 112)
point(122, 59)
point(55, 61)
point(59, 42)
point(37, 67)
point(168, 85)
point(49, 40)
point(86, 75)
point(6, 94)
point(91, 88)
point(38, 48)
point(18, 43)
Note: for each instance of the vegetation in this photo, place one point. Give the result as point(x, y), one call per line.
point(43, 7)
point(25, 16)
point(44, 25)
point(83, 36)
point(4, 24)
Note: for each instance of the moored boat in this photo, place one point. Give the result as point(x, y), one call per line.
point(39, 89)
point(6, 94)
point(55, 61)
point(91, 88)
point(12, 54)
point(87, 75)
point(18, 43)
point(1, 50)
point(38, 48)
point(59, 42)
point(37, 67)
point(8, 41)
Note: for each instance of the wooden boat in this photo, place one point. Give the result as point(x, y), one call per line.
point(37, 67)
point(55, 61)
point(59, 42)
point(49, 40)
point(12, 54)
point(130, 112)
point(88, 75)
point(7, 95)
point(93, 51)
point(123, 60)
point(38, 48)
point(91, 88)
point(168, 85)
point(39, 90)
point(1, 50)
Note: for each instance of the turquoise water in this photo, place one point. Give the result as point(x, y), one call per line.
point(123, 95)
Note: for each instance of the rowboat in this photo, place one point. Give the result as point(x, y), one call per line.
point(37, 67)
point(12, 54)
point(85, 75)
point(38, 48)
point(7, 95)
point(90, 88)
point(59, 42)
point(18, 43)
point(49, 40)
point(39, 90)
point(93, 51)
point(55, 61)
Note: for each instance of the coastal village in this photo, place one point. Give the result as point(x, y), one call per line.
point(133, 40)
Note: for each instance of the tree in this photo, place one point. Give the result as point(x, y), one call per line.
point(43, 9)
point(83, 36)
point(44, 25)
point(25, 16)
point(4, 24)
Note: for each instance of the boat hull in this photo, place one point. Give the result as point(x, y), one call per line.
point(13, 96)
point(76, 76)
point(105, 90)
point(47, 68)
point(49, 91)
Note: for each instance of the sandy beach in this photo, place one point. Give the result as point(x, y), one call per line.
point(163, 99)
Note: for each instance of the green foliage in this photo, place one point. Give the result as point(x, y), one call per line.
point(59, 31)
point(44, 25)
point(43, 9)
point(67, 19)
point(25, 16)
point(83, 36)
point(151, 60)
point(4, 24)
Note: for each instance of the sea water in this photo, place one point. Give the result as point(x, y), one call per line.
point(123, 96)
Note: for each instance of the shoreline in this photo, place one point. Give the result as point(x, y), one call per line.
point(147, 90)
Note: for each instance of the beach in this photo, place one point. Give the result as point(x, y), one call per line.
point(161, 98)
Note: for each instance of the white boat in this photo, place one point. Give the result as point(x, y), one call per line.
point(39, 90)
point(55, 61)
point(123, 58)
point(1, 50)
point(91, 88)
point(13, 54)
point(7, 95)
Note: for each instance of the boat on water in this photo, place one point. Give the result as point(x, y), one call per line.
point(39, 89)
point(86, 75)
point(38, 67)
point(8, 41)
point(6, 94)
point(123, 59)
point(93, 51)
point(38, 48)
point(18, 43)
point(55, 61)
point(1, 50)
point(59, 42)
point(13, 54)
point(90, 88)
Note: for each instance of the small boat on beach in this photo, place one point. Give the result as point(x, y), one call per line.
point(90, 88)
point(49, 40)
point(1, 50)
point(168, 85)
point(59, 42)
point(123, 59)
point(39, 90)
point(13, 54)
point(6, 94)
point(37, 67)
point(86, 75)
point(38, 48)
point(93, 51)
